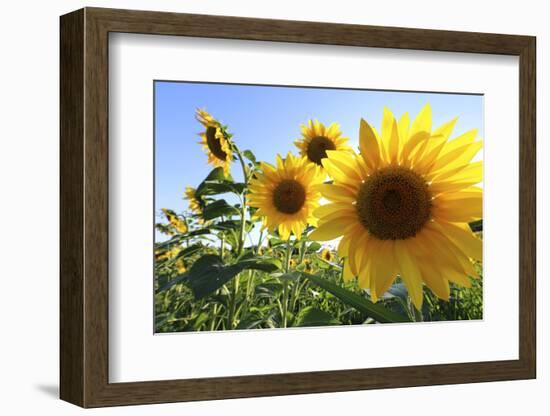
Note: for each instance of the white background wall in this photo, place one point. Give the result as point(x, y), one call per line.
point(29, 159)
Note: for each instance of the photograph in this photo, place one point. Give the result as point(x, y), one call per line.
point(291, 206)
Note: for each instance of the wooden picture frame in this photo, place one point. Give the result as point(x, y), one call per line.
point(84, 207)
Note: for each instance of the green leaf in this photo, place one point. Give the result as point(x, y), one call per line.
point(264, 264)
point(217, 174)
point(219, 208)
point(315, 246)
point(180, 238)
point(197, 233)
point(210, 273)
point(189, 251)
point(201, 319)
point(250, 156)
point(268, 289)
point(216, 188)
point(250, 322)
point(291, 276)
point(376, 311)
point(226, 225)
point(169, 243)
point(311, 316)
point(178, 279)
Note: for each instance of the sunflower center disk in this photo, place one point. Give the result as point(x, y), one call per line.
point(289, 196)
point(394, 203)
point(214, 143)
point(317, 148)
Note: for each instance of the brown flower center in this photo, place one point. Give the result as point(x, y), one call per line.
point(394, 203)
point(214, 143)
point(317, 148)
point(289, 196)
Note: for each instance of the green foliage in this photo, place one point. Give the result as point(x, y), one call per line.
point(310, 316)
point(361, 303)
point(210, 273)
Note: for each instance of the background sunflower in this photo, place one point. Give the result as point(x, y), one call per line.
point(317, 139)
point(286, 194)
point(215, 141)
point(195, 204)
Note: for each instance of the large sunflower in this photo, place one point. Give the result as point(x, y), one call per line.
point(317, 139)
point(403, 206)
point(286, 194)
point(215, 141)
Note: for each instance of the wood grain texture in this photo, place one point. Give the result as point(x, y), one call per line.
point(84, 207)
point(71, 213)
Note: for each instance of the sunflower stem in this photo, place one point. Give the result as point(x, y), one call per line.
point(222, 243)
point(243, 210)
point(233, 304)
point(285, 283)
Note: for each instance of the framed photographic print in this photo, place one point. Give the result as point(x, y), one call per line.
point(255, 207)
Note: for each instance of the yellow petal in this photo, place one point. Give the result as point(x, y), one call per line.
point(338, 175)
point(343, 246)
point(446, 129)
point(360, 250)
point(410, 273)
point(329, 230)
point(424, 160)
point(461, 140)
point(457, 157)
point(297, 228)
point(368, 144)
point(383, 267)
point(471, 175)
point(284, 232)
point(347, 274)
point(404, 126)
point(423, 122)
point(444, 252)
point(345, 162)
point(393, 147)
point(337, 193)
point(388, 120)
point(458, 278)
point(464, 238)
point(458, 209)
point(341, 207)
point(435, 280)
point(414, 142)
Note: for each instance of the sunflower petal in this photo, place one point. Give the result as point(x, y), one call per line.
point(369, 146)
point(330, 230)
point(345, 162)
point(340, 207)
point(422, 122)
point(393, 146)
point(435, 280)
point(347, 274)
point(467, 208)
point(457, 157)
point(464, 238)
point(410, 273)
point(383, 267)
point(336, 193)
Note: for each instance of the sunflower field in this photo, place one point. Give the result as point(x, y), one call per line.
point(390, 232)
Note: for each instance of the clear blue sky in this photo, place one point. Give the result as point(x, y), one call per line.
point(267, 120)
